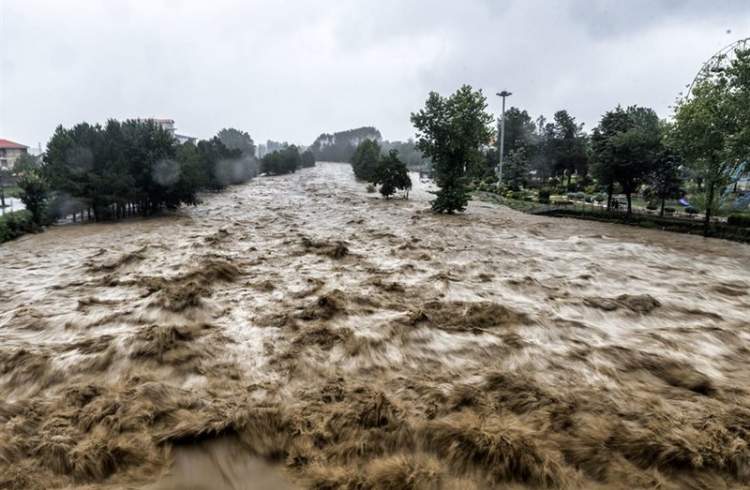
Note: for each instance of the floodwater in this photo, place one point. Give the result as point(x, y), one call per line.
point(297, 332)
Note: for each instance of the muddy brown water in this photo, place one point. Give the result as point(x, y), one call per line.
point(297, 332)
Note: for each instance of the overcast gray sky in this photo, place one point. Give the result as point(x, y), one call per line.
point(289, 70)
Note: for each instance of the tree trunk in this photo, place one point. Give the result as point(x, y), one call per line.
point(630, 205)
point(661, 213)
point(610, 190)
point(709, 204)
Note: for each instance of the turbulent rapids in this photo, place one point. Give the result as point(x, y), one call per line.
point(297, 332)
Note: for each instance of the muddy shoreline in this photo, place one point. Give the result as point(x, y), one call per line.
point(301, 332)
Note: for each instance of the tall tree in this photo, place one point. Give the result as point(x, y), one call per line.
point(712, 127)
point(34, 195)
point(391, 174)
point(308, 159)
point(234, 139)
point(365, 160)
point(520, 130)
point(626, 144)
point(664, 179)
point(451, 131)
point(567, 145)
point(517, 170)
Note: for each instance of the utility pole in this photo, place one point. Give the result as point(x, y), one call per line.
point(502, 94)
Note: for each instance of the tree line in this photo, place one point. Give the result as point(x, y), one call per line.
point(131, 167)
point(286, 160)
point(341, 147)
point(630, 151)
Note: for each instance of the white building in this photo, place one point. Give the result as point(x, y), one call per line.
point(10, 152)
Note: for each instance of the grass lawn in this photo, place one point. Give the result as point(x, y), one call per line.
point(516, 204)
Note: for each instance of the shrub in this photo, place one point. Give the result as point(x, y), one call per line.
point(571, 195)
point(600, 197)
point(742, 220)
point(588, 199)
point(544, 196)
point(580, 196)
point(15, 224)
point(284, 161)
point(391, 174)
point(651, 207)
point(691, 210)
point(668, 210)
point(370, 188)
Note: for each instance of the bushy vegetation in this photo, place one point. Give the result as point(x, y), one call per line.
point(742, 220)
point(376, 169)
point(365, 160)
point(308, 159)
point(33, 194)
point(391, 174)
point(280, 162)
point(15, 224)
point(135, 166)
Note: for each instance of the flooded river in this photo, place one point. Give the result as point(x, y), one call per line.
point(297, 332)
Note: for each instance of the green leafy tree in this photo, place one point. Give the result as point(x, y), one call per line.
point(365, 160)
point(34, 193)
point(280, 162)
point(516, 171)
point(712, 128)
point(520, 131)
point(665, 180)
point(234, 139)
point(391, 174)
point(308, 159)
point(451, 131)
point(124, 168)
point(567, 146)
point(244, 167)
point(626, 144)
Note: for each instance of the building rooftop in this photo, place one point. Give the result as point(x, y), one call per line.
point(7, 144)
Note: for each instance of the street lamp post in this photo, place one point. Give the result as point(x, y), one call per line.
point(502, 94)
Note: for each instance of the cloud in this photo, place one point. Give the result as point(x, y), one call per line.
point(289, 70)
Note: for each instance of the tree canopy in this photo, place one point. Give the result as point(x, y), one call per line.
point(391, 174)
point(340, 146)
point(129, 166)
point(234, 139)
point(451, 131)
point(365, 160)
point(279, 162)
point(712, 127)
point(626, 144)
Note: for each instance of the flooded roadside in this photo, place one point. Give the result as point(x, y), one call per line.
point(343, 341)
